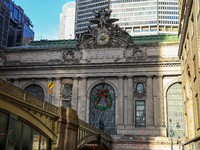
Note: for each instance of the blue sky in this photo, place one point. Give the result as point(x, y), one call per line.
point(44, 15)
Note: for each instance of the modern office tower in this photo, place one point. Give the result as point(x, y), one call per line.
point(145, 17)
point(4, 22)
point(15, 26)
point(84, 13)
point(67, 21)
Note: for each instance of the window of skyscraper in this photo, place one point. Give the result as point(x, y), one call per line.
point(6, 2)
point(16, 13)
point(11, 10)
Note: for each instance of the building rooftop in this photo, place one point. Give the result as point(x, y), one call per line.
point(72, 43)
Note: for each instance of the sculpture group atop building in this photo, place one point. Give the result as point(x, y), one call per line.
point(105, 34)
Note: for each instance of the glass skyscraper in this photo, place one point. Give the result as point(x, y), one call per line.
point(145, 17)
point(84, 13)
point(138, 17)
point(15, 26)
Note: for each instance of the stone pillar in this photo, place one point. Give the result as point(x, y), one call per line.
point(74, 101)
point(120, 104)
point(149, 102)
point(126, 101)
point(82, 99)
point(161, 99)
point(67, 129)
point(130, 101)
point(56, 97)
point(157, 100)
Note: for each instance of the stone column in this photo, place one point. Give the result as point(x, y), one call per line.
point(157, 100)
point(149, 102)
point(130, 101)
point(82, 99)
point(56, 96)
point(120, 104)
point(74, 100)
point(161, 99)
point(126, 101)
point(67, 130)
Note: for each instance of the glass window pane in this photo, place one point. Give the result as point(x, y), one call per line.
point(26, 137)
point(65, 103)
point(175, 106)
point(36, 90)
point(36, 140)
point(43, 143)
point(3, 129)
point(18, 135)
point(140, 118)
point(102, 108)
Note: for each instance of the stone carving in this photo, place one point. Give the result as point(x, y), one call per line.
point(139, 54)
point(102, 18)
point(68, 55)
point(140, 85)
point(105, 34)
point(2, 57)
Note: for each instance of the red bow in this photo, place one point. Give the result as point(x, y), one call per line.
point(100, 93)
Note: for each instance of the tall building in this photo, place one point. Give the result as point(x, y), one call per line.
point(189, 47)
point(84, 13)
point(137, 17)
point(145, 17)
point(67, 21)
point(15, 26)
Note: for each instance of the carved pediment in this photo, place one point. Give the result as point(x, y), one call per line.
point(104, 34)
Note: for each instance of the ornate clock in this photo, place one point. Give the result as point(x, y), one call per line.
point(103, 38)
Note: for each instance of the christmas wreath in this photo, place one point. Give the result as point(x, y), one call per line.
point(97, 97)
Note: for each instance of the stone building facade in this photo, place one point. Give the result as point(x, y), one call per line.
point(189, 55)
point(114, 84)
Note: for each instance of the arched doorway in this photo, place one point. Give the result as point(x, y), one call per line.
point(102, 108)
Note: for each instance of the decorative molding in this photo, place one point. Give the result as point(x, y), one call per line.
point(139, 53)
point(64, 82)
point(68, 55)
point(143, 81)
point(185, 25)
point(107, 66)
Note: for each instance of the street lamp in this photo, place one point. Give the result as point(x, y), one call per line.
point(172, 133)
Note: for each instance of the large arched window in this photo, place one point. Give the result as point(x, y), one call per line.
point(102, 108)
point(175, 108)
point(36, 90)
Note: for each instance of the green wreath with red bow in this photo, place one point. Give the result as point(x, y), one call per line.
point(107, 97)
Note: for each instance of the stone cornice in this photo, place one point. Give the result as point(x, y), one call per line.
point(94, 66)
point(185, 25)
point(182, 15)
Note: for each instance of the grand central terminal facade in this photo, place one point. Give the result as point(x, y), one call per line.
point(129, 87)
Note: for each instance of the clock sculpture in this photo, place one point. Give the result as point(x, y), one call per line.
point(105, 33)
point(103, 38)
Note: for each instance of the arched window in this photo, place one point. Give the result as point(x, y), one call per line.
point(175, 108)
point(102, 108)
point(36, 90)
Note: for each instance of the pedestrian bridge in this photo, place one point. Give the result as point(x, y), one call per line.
point(28, 122)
